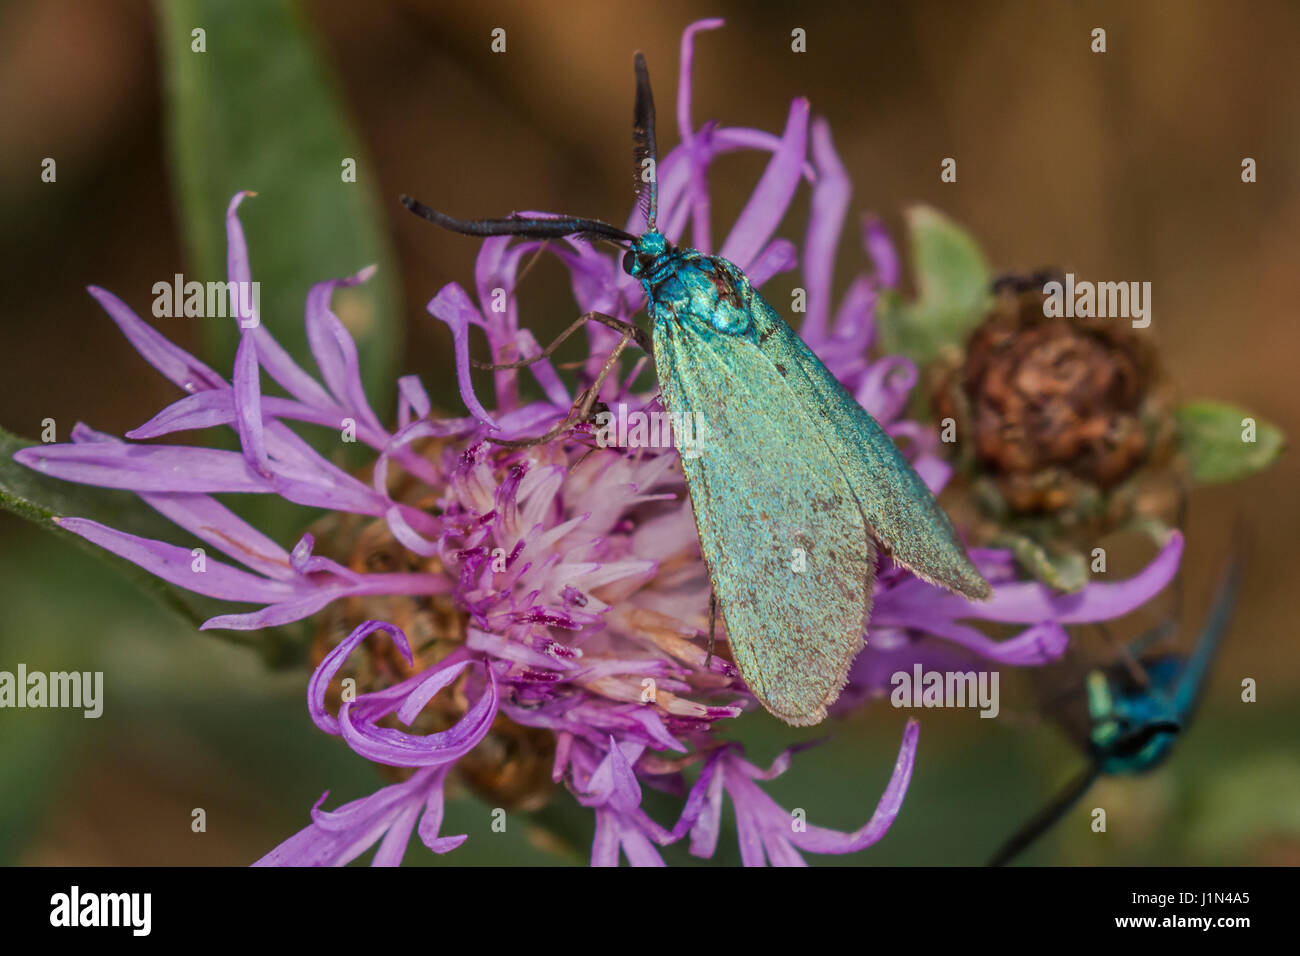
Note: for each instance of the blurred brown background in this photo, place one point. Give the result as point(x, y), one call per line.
point(1123, 165)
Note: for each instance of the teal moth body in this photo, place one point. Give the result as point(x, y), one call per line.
point(794, 488)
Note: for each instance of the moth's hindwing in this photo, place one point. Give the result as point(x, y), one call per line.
point(788, 550)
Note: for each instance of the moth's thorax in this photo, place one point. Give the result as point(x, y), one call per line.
point(686, 286)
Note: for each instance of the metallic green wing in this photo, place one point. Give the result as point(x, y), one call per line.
point(899, 510)
point(787, 547)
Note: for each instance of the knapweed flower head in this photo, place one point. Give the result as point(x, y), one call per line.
point(534, 619)
point(1072, 418)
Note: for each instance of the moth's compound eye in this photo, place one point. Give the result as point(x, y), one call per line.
point(629, 261)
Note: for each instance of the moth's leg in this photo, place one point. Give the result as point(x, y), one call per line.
point(1131, 663)
point(532, 261)
point(635, 333)
point(713, 626)
point(591, 394)
point(581, 409)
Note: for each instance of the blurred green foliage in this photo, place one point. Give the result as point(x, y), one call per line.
point(952, 289)
point(256, 111)
point(1214, 437)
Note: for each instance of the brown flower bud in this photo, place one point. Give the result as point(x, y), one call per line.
point(1054, 408)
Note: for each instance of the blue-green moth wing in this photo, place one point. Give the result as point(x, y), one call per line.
point(788, 550)
point(899, 509)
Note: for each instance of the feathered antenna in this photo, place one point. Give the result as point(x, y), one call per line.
point(643, 135)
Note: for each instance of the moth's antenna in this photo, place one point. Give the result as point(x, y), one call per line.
point(530, 227)
point(643, 134)
point(1042, 821)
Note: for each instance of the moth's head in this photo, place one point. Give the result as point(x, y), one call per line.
point(1132, 745)
point(1129, 726)
point(645, 252)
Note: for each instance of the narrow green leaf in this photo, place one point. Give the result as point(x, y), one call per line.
point(1060, 567)
point(41, 500)
point(255, 110)
point(1223, 442)
point(952, 282)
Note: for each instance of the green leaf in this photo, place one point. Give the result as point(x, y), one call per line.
point(1060, 567)
point(1223, 442)
point(41, 500)
point(952, 282)
point(255, 111)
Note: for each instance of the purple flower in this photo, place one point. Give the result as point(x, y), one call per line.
point(554, 595)
point(338, 837)
point(769, 833)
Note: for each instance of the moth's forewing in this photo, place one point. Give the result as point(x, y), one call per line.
point(781, 531)
point(899, 509)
